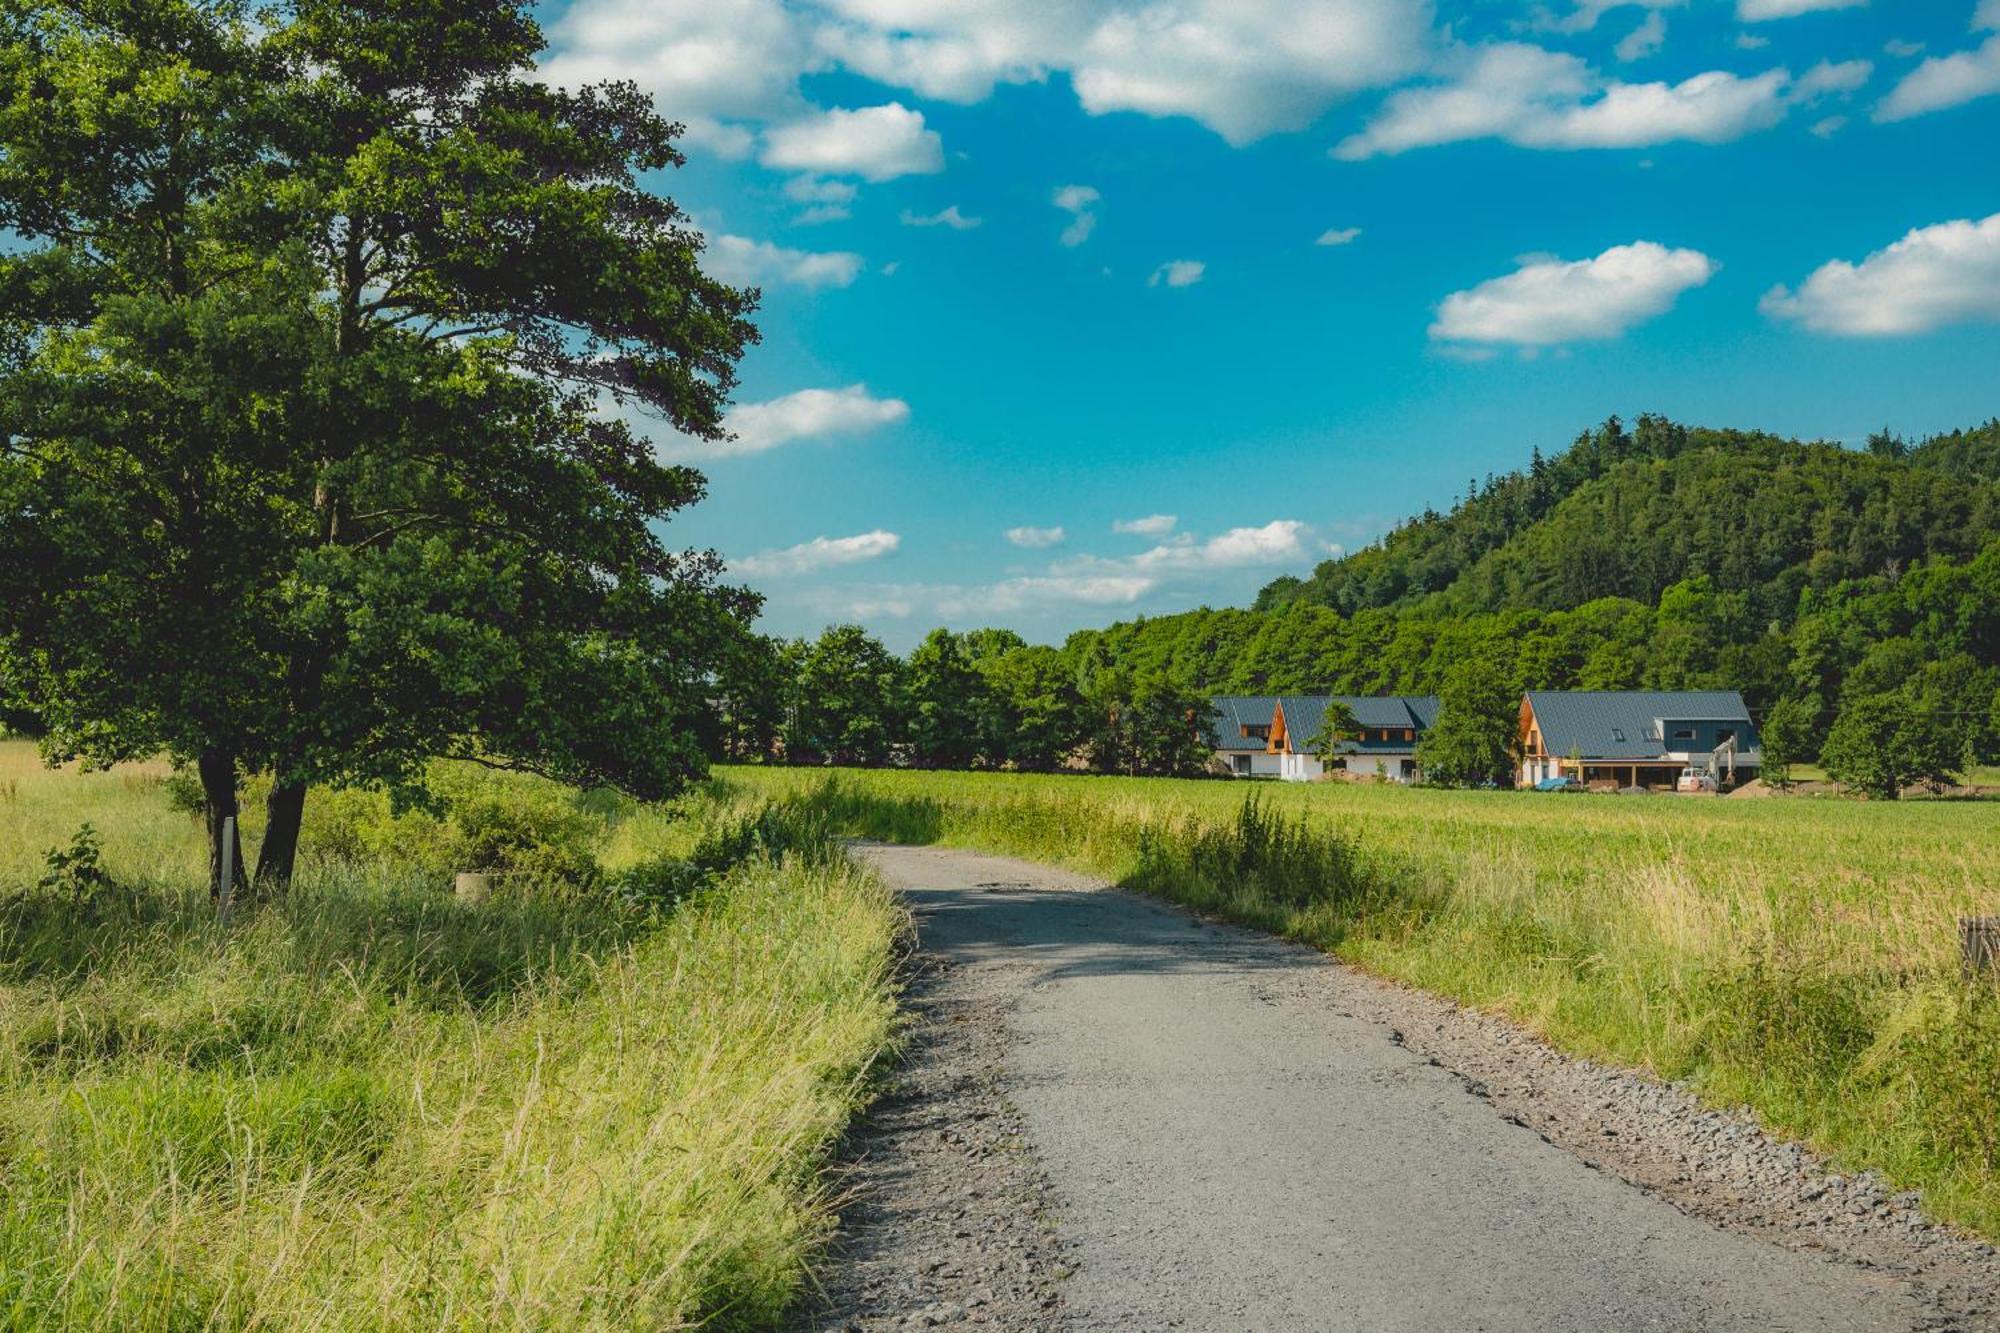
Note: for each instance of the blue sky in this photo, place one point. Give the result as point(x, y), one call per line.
point(1051, 337)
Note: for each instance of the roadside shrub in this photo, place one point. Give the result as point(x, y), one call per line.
point(184, 794)
point(1285, 860)
point(477, 821)
point(77, 872)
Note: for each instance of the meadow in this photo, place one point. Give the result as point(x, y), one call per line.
point(603, 1098)
point(1796, 955)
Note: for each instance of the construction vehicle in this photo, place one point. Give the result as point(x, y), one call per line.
point(1707, 777)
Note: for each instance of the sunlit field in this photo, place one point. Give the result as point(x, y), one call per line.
point(601, 1099)
point(1799, 955)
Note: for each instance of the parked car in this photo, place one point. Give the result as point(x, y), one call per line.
point(1559, 784)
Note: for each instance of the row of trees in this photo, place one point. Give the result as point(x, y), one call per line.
point(986, 699)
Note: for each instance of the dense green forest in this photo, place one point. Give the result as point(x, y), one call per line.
point(1852, 596)
point(1631, 513)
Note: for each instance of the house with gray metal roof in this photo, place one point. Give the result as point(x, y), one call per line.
point(1240, 730)
point(1637, 738)
point(1383, 744)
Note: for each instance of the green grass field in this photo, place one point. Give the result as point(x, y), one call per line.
point(1797, 955)
point(368, 1106)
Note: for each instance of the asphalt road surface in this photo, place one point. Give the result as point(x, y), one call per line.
point(1232, 1147)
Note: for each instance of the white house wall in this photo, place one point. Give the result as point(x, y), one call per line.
point(1301, 768)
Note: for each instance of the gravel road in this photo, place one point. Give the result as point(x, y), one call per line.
point(1118, 1116)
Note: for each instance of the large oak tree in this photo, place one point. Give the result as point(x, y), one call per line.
point(318, 325)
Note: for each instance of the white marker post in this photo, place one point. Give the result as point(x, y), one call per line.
point(228, 866)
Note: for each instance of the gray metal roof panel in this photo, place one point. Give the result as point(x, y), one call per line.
point(1619, 724)
point(1306, 713)
point(1232, 712)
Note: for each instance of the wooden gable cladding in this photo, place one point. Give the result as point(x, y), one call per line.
point(1530, 731)
point(1275, 744)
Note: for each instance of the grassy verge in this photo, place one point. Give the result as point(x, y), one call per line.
point(595, 1103)
point(1797, 956)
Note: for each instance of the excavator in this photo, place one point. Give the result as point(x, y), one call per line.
point(1704, 778)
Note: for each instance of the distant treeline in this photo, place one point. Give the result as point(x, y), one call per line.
point(986, 698)
point(1854, 599)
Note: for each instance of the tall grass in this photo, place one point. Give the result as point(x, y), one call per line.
point(1796, 955)
point(370, 1106)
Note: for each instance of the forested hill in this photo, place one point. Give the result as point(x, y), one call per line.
point(1660, 558)
point(1630, 513)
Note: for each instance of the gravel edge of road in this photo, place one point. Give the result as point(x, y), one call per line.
point(1717, 1165)
point(951, 1219)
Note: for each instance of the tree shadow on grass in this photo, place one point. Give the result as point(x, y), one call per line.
point(325, 967)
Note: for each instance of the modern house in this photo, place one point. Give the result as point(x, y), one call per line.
point(1240, 728)
point(1637, 738)
point(1282, 730)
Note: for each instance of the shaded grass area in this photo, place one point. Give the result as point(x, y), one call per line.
point(601, 1099)
point(1797, 956)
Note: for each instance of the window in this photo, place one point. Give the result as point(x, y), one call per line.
point(1683, 733)
point(1618, 733)
point(1724, 736)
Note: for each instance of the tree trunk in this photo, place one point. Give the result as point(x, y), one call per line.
point(284, 811)
point(218, 785)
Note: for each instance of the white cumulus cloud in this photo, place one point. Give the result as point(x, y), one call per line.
point(710, 65)
point(876, 143)
point(1152, 525)
point(1035, 539)
point(1034, 591)
point(1938, 275)
point(948, 217)
point(1281, 541)
point(828, 199)
point(1246, 68)
point(1585, 14)
point(809, 414)
point(1644, 40)
point(1946, 81)
point(1759, 11)
point(1551, 301)
point(1243, 68)
point(818, 554)
point(1080, 202)
point(746, 263)
point(1339, 236)
point(1537, 98)
point(1178, 273)
point(1827, 79)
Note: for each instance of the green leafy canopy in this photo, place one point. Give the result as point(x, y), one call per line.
point(315, 340)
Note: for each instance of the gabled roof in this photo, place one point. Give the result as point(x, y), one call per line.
point(1306, 713)
point(1230, 713)
point(1624, 724)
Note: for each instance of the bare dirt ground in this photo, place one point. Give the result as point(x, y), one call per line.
point(1118, 1116)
